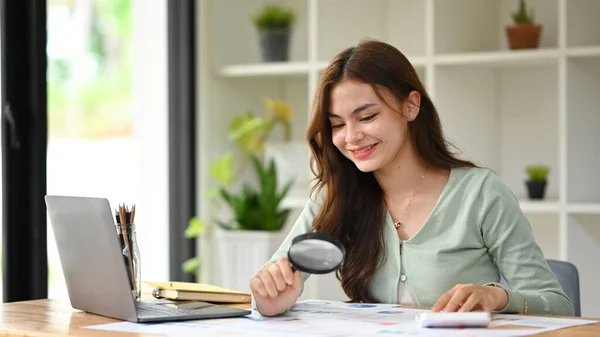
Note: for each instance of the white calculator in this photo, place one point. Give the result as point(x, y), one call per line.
point(474, 319)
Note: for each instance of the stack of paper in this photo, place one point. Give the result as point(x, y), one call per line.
point(330, 318)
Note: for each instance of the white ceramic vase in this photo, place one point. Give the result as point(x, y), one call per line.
point(241, 253)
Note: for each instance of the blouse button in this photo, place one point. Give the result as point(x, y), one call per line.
point(402, 277)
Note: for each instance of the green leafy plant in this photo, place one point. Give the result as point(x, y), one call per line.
point(252, 208)
point(274, 16)
point(537, 172)
point(521, 17)
point(258, 208)
point(195, 228)
point(250, 132)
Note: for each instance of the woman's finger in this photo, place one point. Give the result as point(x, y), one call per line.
point(472, 301)
point(442, 301)
point(277, 276)
point(286, 270)
point(298, 284)
point(258, 287)
point(268, 282)
point(459, 296)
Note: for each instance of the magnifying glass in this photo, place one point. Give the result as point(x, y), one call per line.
point(316, 253)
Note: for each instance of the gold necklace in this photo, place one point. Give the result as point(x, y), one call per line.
point(398, 223)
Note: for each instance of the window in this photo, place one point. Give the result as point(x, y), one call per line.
point(99, 138)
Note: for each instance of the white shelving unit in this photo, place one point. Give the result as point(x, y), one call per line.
point(503, 109)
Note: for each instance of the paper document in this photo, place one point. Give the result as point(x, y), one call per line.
point(331, 318)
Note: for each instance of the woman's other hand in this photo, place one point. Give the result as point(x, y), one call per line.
point(276, 287)
point(471, 297)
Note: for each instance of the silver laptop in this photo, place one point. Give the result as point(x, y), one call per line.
point(95, 274)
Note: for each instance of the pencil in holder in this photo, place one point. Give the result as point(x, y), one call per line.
point(127, 235)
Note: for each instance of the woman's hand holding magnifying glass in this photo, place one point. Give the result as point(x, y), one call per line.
point(276, 287)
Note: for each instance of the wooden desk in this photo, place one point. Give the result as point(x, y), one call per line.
point(54, 318)
point(57, 318)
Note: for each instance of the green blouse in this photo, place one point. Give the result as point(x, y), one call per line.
point(475, 233)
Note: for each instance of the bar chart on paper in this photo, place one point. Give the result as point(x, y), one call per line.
point(332, 318)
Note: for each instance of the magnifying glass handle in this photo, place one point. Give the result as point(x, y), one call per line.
point(294, 269)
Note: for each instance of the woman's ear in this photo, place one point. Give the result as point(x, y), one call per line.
point(412, 106)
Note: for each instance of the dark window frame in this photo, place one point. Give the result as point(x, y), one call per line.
point(24, 145)
point(182, 133)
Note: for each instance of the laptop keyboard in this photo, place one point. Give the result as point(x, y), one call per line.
point(145, 309)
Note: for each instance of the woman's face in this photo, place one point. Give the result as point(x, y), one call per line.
point(364, 128)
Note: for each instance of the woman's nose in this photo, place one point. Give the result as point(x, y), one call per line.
point(353, 134)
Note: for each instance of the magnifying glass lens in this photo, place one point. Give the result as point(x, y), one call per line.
point(316, 253)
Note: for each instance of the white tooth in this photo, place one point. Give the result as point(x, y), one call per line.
point(365, 149)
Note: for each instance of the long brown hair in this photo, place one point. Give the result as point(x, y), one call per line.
point(353, 209)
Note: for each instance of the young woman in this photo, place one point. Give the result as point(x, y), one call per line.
point(419, 225)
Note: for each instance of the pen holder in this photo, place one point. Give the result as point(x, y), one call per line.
point(131, 258)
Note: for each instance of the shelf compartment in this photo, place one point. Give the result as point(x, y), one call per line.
point(540, 207)
point(583, 242)
point(584, 208)
point(343, 23)
point(281, 69)
point(232, 98)
point(487, 21)
point(495, 117)
point(500, 59)
point(583, 119)
point(583, 52)
point(583, 26)
point(235, 39)
point(545, 228)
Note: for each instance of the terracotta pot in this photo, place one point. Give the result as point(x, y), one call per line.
point(523, 36)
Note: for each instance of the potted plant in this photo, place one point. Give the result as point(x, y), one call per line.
point(523, 33)
point(274, 24)
point(257, 208)
point(537, 181)
point(248, 218)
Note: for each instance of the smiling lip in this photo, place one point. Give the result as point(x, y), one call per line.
point(363, 152)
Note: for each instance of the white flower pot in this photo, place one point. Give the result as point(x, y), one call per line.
point(241, 253)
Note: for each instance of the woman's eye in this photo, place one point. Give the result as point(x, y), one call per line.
point(368, 118)
point(337, 126)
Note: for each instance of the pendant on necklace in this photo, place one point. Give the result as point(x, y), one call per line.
point(397, 224)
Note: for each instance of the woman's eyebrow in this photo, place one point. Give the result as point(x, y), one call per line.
point(357, 110)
